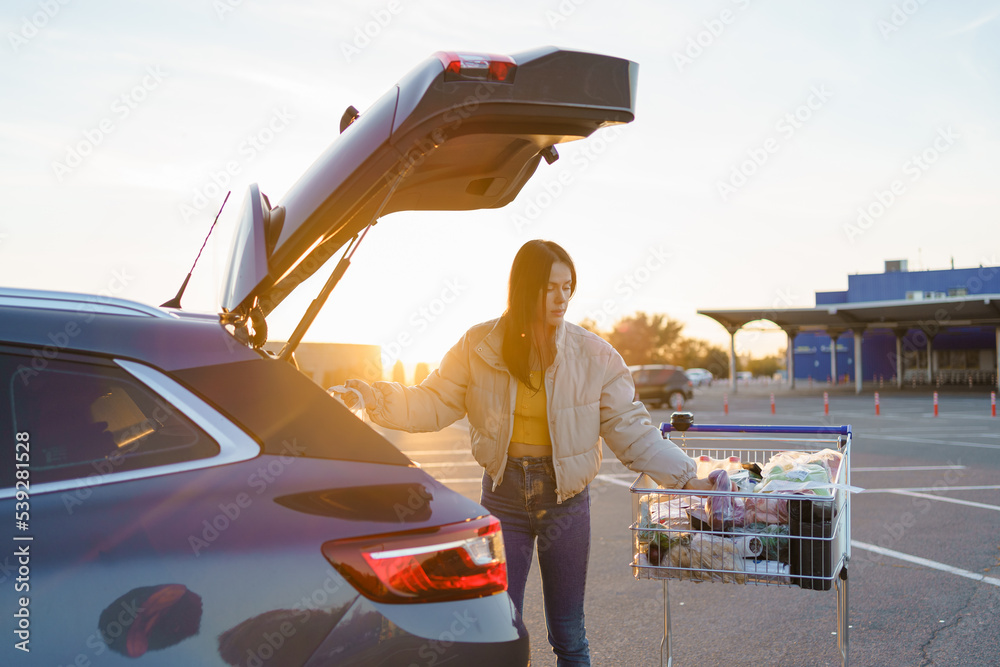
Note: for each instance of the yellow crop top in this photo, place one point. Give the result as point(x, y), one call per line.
point(531, 423)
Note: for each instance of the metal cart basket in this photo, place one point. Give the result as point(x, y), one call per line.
point(768, 535)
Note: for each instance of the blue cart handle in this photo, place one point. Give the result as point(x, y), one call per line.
point(845, 430)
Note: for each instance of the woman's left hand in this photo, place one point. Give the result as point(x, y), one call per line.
point(704, 484)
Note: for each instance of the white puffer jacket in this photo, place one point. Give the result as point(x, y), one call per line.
point(589, 392)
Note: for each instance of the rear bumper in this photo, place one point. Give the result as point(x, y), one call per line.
point(480, 632)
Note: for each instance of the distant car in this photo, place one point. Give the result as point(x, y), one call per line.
point(196, 500)
point(659, 385)
point(699, 376)
point(744, 376)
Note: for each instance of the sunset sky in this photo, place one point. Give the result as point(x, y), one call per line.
point(777, 148)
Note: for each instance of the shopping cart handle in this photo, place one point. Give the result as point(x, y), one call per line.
point(665, 428)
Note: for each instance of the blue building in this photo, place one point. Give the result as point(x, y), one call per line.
point(898, 326)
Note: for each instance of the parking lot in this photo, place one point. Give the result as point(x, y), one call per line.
point(924, 579)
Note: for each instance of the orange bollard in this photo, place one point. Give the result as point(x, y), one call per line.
point(826, 403)
point(876, 404)
point(772, 403)
point(725, 404)
point(993, 403)
point(935, 404)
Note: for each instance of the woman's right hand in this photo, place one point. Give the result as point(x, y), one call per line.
point(363, 388)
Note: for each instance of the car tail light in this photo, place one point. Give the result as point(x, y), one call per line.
point(477, 67)
point(454, 562)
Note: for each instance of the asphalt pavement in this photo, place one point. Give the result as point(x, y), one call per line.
point(924, 571)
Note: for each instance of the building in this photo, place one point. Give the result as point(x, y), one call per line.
point(330, 364)
point(899, 326)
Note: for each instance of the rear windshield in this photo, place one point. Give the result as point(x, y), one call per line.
point(288, 413)
point(652, 375)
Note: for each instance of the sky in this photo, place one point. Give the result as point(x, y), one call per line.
point(777, 148)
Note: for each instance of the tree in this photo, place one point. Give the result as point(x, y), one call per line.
point(697, 353)
point(766, 366)
point(656, 339)
point(645, 339)
point(398, 372)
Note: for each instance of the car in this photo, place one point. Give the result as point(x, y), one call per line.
point(184, 497)
point(699, 376)
point(744, 376)
point(661, 385)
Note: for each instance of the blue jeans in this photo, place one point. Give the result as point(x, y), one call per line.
point(525, 503)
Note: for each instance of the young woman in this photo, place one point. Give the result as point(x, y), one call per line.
point(539, 393)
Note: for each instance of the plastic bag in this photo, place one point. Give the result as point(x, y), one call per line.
point(801, 472)
point(726, 511)
point(356, 404)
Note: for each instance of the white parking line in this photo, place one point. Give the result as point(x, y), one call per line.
point(934, 488)
point(993, 581)
point(947, 500)
point(902, 468)
point(614, 479)
point(928, 441)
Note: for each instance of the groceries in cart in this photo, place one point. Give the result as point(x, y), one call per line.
point(759, 523)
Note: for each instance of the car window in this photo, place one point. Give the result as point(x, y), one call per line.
point(86, 418)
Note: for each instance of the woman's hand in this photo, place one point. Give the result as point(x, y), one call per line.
point(699, 484)
point(367, 393)
point(705, 484)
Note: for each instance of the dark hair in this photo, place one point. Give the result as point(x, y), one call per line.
point(529, 276)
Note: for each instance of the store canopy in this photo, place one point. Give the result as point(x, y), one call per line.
point(927, 314)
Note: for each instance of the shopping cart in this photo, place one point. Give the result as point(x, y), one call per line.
point(769, 538)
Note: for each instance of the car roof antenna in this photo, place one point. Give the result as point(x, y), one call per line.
point(176, 301)
point(338, 273)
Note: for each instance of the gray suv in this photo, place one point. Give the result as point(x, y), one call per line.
point(176, 495)
point(661, 385)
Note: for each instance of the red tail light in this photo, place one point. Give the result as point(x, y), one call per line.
point(454, 562)
point(477, 67)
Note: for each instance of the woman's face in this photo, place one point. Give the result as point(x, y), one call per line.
point(556, 296)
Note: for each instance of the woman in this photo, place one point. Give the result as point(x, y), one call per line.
point(539, 394)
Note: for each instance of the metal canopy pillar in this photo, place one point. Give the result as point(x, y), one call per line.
point(834, 335)
point(790, 355)
point(930, 359)
point(900, 371)
point(732, 357)
point(857, 361)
